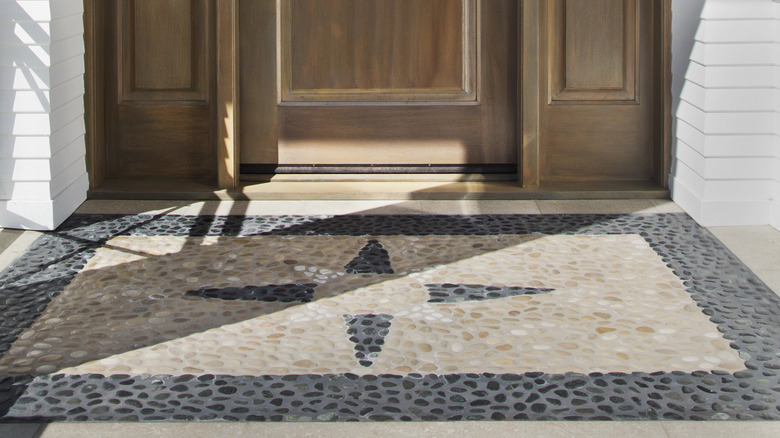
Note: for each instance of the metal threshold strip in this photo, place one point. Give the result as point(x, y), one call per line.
point(249, 169)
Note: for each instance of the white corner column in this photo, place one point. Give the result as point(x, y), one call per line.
point(726, 97)
point(43, 176)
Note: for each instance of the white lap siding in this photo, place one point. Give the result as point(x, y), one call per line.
point(727, 93)
point(43, 174)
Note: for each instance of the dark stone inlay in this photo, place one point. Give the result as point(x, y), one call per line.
point(272, 293)
point(745, 310)
point(348, 397)
point(456, 293)
point(368, 332)
point(372, 259)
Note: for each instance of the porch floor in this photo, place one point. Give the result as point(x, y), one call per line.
point(392, 310)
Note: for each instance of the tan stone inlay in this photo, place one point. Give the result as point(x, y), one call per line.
point(616, 307)
point(130, 295)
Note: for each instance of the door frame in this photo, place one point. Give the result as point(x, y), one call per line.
point(530, 136)
point(228, 105)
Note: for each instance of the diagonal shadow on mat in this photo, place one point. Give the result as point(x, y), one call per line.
point(80, 319)
point(51, 263)
point(116, 308)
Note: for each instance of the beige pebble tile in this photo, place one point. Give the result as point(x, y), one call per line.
point(603, 308)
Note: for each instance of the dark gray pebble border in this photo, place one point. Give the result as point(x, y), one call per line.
point(746, 311)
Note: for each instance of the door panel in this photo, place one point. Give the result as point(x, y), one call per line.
point(386, 50)
point(379, 82)
point(160, 111)
point(597, 104)
point(595, 50)
point(159, 45)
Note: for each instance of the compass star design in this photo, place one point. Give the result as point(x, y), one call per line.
point(367, 331)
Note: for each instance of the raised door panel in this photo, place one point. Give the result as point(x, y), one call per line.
point(594, 50)
point(378, 51)
point(160, 104)
point(596, 100)
point(391, 82)
point(163, 50)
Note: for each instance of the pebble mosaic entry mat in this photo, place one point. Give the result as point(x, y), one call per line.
point(370, 318)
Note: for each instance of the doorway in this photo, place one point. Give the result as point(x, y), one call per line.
point(559, 93)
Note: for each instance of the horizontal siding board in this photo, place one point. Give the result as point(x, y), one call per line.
point(739, 145)
point(67, 70)
point(65, 8)
point(66, 114)
point(24, 101)
point(694, 138)
point(70, 132)
point(739, 168)
point(69, 199)
point(692, 158)
point(687, 198)
point(694, 94)
point(25, 169)
point(67, 91)
point(736, 9)
point(25, 124)
point(25, 10)
point(739, 123)
point(694, 182)
point(24, 190)
point(24, 78)
point(72, 25)
point(713, 54)
point(739, 99)
point(67, 48)
point(28, 214)
point(16, 34)
point(28, 55)
point(738, 190)
point(692, 115)
point(743, 76)
point(687, 8)
point(12, 146)
point(737, 31)
point(66, 156)
point(67, 176)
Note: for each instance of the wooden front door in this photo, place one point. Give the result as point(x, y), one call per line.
point(572, 93)
point(379, 82)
